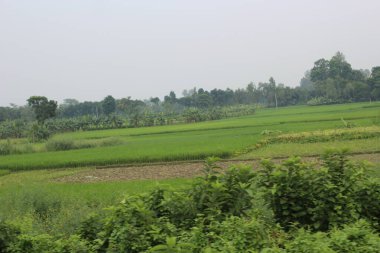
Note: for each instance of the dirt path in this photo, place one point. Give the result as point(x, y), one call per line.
point(168, 170)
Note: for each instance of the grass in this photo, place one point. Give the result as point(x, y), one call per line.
point(263, 118)
point(41, 205)
point(33, 199)
point(223, 138)
point(310, 149)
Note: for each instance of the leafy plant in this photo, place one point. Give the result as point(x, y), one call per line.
point(316, 198)
point(172, 246)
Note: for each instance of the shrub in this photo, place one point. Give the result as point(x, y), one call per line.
point(60, 144)
point(47, 244)
point(357, 237)
point(111, 141)
point(368, 197)
point(322, 101)
point(8, 235)
point(237, 234)
point(38, 133)
point(5, 148)
point(41, 204)
point(321, 209)
point(317, 198)
point(306, 242)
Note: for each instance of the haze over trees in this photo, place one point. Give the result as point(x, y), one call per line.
point(329, 81)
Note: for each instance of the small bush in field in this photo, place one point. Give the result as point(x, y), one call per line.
point(111, 141)
point(5, 148)
point(60, 144)
point(38, 133)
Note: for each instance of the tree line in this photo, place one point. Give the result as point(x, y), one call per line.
point(329, 81)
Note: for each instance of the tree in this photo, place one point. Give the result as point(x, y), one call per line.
point(339, 67)
point(42, 107)
point(320, 71)
point(108, 105)
point(374, 82)
point(272, 84)
point(203, 100)
point(155, 100)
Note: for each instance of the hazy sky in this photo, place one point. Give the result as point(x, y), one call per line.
point(87, 49)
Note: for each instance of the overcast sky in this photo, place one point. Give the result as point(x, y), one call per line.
point(87, 49)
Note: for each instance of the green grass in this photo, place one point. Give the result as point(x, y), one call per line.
point(32, 197)
point(309, 149)
point(34, 200)
point(263, 118)
point(223, 138)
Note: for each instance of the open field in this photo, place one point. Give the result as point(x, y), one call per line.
point(224, 138)
point(42, 205)
point(49, 199)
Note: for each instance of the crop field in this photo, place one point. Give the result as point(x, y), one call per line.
point(226, 138)
point(34, 191)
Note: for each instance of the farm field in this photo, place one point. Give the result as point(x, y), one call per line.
point(35, 184)
point(189, 127)
point(227, 138)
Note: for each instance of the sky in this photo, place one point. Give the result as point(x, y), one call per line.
point(88, 49)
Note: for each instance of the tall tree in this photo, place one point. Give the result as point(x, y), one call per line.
point(108, 105)
point(272, 84)
point(42, 107)
point(374, 82)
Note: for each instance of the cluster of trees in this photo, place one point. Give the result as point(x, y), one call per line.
point(329, 81)
point(38, 131)
point(337, 81)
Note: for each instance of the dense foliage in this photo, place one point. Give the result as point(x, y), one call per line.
point(19, 128)
point(42, 107)
point(292, 207)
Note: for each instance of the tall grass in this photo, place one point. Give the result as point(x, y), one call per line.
point(371, 145)
point(30, 199)
point(62, 143)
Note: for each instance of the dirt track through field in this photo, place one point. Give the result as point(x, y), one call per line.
point(168, 170)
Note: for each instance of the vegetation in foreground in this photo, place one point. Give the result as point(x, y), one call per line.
point(292, 207)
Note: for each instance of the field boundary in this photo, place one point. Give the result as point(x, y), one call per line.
point(220, 160)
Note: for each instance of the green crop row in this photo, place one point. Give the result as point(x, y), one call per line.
point(224, 138)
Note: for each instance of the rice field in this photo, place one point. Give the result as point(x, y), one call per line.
point(28, 185)
point(226, 138)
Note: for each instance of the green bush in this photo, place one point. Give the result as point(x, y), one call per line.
point(293, 207)
point(317, 198)
point(59, 144)
point(322, 101)
point(356, 237)
point(368, 196)
point(8, 235)
point(111, 141)
point(38, 132)
point(6, 148)
point(47, 244)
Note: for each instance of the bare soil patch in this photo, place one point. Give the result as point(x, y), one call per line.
point(169, 170)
